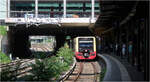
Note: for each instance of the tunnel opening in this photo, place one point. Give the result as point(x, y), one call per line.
point(20, 37)
point(42, 46)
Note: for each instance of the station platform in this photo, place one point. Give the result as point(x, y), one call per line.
point(115, 71)
point(120, 70)
point(132, 70)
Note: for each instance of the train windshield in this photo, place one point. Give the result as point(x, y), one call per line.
point(85, 43)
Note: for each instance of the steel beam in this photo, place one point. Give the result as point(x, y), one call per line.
point(8, 8)
point(36, 8)
point(93, 3)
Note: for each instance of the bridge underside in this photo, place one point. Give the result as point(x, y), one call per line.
point(19, 36)
point(49, 29)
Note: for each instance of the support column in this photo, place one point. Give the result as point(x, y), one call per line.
point(10, 35)
point(64, 8)
point(93, 3)
point(127, 42)
point(19, 43)
point(8, 8)
point(11, 41)
point(146, 49)
point(147, 46)
point(36, 8)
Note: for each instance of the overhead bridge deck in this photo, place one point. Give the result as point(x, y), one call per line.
point(62, 22)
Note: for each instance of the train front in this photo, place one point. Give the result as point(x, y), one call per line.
point(85, 48)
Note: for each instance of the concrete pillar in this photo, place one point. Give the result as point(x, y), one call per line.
point(64, 8)
point(4, 45)
point(19, 43)
point(36, 8)
point(93, 3)
point(10, 35)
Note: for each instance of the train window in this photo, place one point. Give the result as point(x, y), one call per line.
point(85, 43)
point(85, 39)
point(83, 46)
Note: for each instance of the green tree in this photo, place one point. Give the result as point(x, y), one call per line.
point(3, 30)
point(51, 68)
point(4, 58)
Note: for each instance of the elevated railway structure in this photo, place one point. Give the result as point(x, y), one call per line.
point(62, 12)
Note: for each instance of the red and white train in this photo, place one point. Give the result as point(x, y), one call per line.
point(85, 47)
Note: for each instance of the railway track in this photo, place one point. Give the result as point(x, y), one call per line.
point(18, 68)
point(41, 47)
point(14, 62)
point(85, 72)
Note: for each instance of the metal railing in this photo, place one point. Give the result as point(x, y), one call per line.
point(21, 14)
point(48, 14)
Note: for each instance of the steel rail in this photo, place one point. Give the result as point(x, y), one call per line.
point(79, 71)
point(95, 71)
point(13, 63)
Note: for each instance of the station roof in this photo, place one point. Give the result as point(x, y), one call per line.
point(119, 12)
point(114, 10)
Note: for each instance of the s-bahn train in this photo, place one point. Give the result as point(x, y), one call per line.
point(85, 48)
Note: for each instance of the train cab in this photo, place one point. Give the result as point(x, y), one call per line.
point(85, 48)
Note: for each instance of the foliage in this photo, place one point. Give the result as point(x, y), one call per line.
point(2, 30)
point(4, 58)
point(103, 74)
point(40, 71)
point(7, 75)
point(66, 54)
point(43, 69)
point(51, 68)
point(40, 55)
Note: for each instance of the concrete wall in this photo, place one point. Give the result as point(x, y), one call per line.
point(3, 9)
point(4, 45)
